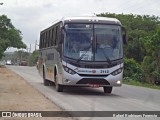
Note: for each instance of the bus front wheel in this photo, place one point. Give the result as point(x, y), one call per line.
point(59, 88)
point(107, 89)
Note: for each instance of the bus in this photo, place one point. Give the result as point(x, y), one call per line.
point(84, 52)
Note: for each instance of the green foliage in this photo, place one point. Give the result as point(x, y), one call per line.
point(9, 35)
point(151, 63)
point(132, 69)
point(19, 56)
point(150, 70)
point(33, 58)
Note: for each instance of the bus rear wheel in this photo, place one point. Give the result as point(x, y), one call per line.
point(107, 89)
point(59, 88)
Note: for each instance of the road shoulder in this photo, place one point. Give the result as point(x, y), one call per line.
point(17, 95)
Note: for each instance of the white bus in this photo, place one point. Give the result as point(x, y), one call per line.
point(83, 51)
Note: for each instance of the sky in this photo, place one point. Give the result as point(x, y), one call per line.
point(32, 16)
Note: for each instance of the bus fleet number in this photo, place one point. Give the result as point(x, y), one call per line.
point(104, 71)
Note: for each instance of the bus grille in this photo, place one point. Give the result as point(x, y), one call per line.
point(93, 81)
point(91, 75)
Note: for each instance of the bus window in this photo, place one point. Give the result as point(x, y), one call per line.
point(40, 43)
point(52, 33)
point(49, 38)
point(56, 35)
point(43, 40)
point(108, 43)
point(46, 41)
point(53, 36)
point(78, 40)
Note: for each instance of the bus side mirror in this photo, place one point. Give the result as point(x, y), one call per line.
point(124, 36)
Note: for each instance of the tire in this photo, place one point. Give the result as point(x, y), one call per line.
point(45, 82)
point(59, 88)
point(107, 89)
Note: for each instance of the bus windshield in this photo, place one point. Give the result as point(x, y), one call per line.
point(93, 42)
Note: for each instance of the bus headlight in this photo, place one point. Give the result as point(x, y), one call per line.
point(117, 71)
point(70, 71)
point(118, 82)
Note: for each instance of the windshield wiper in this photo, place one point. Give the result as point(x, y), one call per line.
point(86, 50)
point(107, 58)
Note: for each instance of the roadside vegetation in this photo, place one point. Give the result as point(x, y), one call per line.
point(21, 57)
point(130, 81)
point(142, 54)
point(9, 35)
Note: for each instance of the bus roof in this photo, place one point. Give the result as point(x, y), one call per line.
point(86, 19)
point(92, 19)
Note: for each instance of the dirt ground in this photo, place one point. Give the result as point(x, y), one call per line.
point(17, 95)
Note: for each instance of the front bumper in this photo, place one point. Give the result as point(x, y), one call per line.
point(87, 80)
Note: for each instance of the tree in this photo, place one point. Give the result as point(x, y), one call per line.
point(33, 58)
point(9, 35)
point(20, 56)
point(151, 63)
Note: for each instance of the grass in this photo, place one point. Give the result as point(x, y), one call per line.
point(137, 83)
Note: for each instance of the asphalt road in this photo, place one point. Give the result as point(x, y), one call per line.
point(125, 98)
